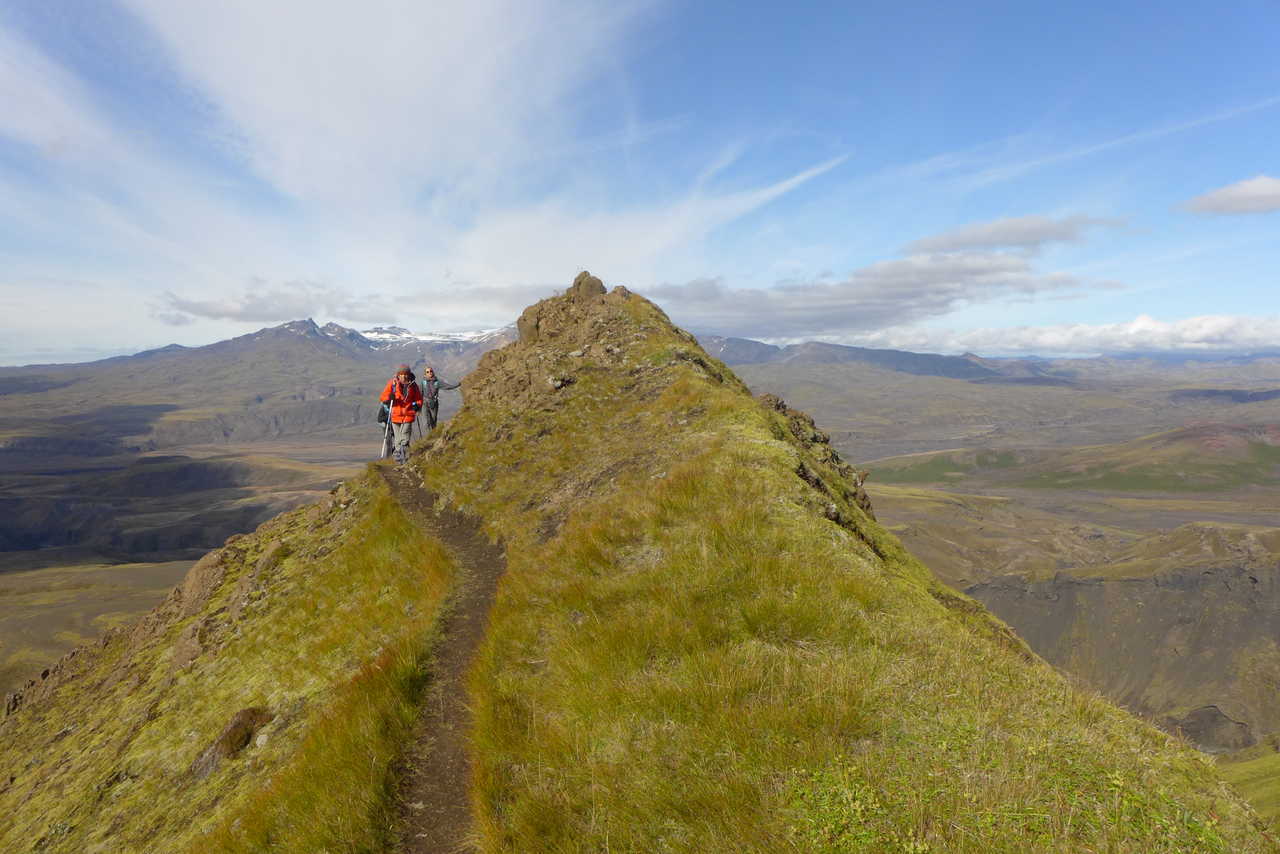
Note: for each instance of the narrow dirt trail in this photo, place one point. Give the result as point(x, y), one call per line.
point(436, 768)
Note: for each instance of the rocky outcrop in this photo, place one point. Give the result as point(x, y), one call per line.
point(805, 430)
point(559, 336)
point(234, 738)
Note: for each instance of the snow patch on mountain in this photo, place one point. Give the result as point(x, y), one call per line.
point(388, 336)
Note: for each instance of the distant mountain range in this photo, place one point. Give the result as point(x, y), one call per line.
point(386, 344)
point(306, 339)
point(377, 343)
point(297, 377)
point(745, 351)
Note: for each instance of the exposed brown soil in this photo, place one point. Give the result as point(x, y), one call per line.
point(435, 772)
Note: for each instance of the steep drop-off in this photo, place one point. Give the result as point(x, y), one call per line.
point(703, 641)
point(1184, 631)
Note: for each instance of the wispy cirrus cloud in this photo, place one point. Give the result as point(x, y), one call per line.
point(1260, 194)
point(1012, 168)
point(401, 149)
point(1010, 157)
point(332, 104)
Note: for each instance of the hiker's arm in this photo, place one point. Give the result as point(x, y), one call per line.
point(450, 386)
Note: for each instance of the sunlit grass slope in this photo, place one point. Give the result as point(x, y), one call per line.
point(703, 643)
point(1256, 773)
point(321, 619)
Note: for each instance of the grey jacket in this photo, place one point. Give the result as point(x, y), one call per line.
point(431, 387)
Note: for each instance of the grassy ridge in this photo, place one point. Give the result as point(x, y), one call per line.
point(702, 644)
point(322, 618)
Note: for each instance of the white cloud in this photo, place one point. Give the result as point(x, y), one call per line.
point(263, 302)
point(392, 148)
point(345, 104)
point(1023, 232)
point(1255, 195)
point(395, 150)
point(1206, 333)
point(887, 293)
point(540, 243)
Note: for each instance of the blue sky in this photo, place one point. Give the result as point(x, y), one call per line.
point(995, 177)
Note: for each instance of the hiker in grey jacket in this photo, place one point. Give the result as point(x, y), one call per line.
point(431, 395)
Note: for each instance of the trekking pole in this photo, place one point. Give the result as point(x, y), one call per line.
point(386, 436)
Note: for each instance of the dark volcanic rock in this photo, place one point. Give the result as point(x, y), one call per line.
point(1207, 725)
point(586, 286)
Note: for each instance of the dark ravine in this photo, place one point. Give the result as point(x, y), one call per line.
point(1190, 648)
point(436, 769)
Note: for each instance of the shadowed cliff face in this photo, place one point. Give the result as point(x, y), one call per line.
point(173, 506)
point(1195, 649)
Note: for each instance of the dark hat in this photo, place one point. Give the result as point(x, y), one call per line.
point(404, 369)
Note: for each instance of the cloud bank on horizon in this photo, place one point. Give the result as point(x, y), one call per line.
point(874, 176)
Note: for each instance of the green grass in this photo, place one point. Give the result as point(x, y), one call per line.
point(1155, 478)
point(1258, 779)
point(1164, 462)
point(687, 655)
point(932, 470)
point(1173, 461)
point(332, 642)
point(942, 466)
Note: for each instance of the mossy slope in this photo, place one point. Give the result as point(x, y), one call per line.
point(705, 642)
point(291, 655)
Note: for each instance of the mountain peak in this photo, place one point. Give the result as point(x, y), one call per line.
point(398, 331)
point(306, 326)
point(587, 329)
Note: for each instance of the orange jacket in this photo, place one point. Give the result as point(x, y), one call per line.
point(405, 400)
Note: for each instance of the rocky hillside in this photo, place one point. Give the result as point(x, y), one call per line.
point(703, 642)
point(1182, 628)
point(1145, 568)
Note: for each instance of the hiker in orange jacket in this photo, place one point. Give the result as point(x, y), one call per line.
point(404, 397)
